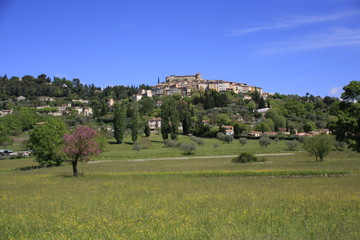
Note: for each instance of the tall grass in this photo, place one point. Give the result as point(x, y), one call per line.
point(185, 199)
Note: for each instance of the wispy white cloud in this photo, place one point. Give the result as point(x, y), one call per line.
point(337, 37)
point(335, 91)
point(296, 21)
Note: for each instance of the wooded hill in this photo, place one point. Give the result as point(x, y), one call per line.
point(204, 113)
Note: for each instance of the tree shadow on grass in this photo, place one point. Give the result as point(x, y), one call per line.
point(64, 175)
point(28, 168)
point(115, 143)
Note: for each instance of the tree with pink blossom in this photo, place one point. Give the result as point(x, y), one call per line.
point(81, 146)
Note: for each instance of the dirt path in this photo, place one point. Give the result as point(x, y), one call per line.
point(189, 158)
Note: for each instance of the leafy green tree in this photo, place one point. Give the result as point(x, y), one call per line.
point(262, 127)
point(309, 126)
point(119, 122)
point(239, 129)
point(222, 120)
point(295, 107)
point(319, 146)
point(46, 140)
point(278, 120)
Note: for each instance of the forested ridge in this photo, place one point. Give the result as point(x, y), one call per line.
point(204, 113)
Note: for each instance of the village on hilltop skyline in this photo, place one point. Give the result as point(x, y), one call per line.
point(186, 84)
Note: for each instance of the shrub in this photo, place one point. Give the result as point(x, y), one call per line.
point(198, 141)
point(6, 140)
point(245, 157)
point(170, 143)
point(137, 146)
point(340, 146)
point(243, 141)
point(188, 147)
point(264, 141)
point(228, 138)
point(215, 145)
point(292, 145)
point(220, 136)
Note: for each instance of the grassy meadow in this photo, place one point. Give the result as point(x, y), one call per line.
point(153, 147)
point(286, 197)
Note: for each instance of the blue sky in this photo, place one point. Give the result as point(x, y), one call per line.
point(285, 46)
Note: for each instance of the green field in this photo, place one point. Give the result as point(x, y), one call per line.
point(154, 148)
point(286, 197)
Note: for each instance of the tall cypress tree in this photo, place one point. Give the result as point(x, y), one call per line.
point(174, 120)
point(262, 103)
point(119, 122)
point(135, 122)
point(169, 119)
point(165, 119)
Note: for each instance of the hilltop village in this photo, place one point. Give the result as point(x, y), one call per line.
point(187, 84)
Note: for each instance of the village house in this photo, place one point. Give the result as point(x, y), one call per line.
point(184, 85)
point(20, 98)
point(3, 113)
point(110, 102)
point(229, 130)
point(154, 124)
point(87, 111)
point(80, 101)
point(46, 99)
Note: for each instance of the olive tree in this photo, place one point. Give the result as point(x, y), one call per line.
point(264, 141)
point(292, 145)
point(319, 146)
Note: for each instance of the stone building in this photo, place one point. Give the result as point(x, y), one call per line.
point(174, 78)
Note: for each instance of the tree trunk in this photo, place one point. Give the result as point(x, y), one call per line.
point(74, 165)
